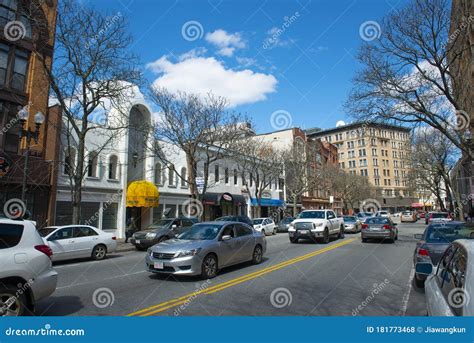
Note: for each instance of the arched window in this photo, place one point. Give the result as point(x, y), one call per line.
point(158, 174)
point(92, 164)
point(69, 161)
point(113, 167)
point(183, 177)
point(171, 178)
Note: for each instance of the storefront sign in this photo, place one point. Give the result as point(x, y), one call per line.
point(266, 195)
point(227, 197)
point(4, 166)
point(200, 184)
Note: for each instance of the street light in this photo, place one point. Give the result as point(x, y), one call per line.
point(28, 134)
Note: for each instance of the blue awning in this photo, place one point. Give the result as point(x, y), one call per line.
point(268, 202)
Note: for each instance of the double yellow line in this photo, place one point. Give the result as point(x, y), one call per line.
point(223, 285)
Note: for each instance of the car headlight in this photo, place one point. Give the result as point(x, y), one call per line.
point(150, 235)
point(185, 253)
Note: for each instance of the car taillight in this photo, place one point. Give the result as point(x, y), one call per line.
point(423, 252)
point(114, 238)
point(365, 226)
point(386, 227)
point(45, 250)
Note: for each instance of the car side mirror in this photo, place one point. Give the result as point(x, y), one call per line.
point(418, 236)
point(424, 268)
point(226, 237)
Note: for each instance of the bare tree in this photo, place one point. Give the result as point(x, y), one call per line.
point(260, 165)
point(406, 75)
point(93, 73)
point(202, 127)
point(433, 158)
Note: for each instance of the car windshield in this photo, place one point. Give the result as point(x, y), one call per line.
point(312, 214)
point(439, 215)
point(257, 221)
point(448, 233)
point(200, 232)
point(376, 220)
point(287, 220)
point(160, 223)
point(407, 213)
point(46, 231)
point(349, 219)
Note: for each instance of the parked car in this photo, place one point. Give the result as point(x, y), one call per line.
point(449, 285)
point(206, 248)
point(379, 228)
point(265, 225)
point(78, 241)
point(408, 216)
point(241, 219)
point(315, 225)
point(284, 224)
point(437, 216)
point(161, 231)
point(364, 215)
point(435, 240)
point(26, 275)
point(352, 224)
point(384, 214)
point(422, 214)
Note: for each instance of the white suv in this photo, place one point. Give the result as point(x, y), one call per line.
point(26, 273)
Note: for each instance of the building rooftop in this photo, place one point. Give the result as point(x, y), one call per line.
point(316, 131)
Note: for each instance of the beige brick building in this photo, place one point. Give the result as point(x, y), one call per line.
point(378, 151)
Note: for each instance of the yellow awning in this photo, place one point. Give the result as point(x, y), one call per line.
point(142, 194)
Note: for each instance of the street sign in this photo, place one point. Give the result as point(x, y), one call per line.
point(200, 184)
point(331, 199)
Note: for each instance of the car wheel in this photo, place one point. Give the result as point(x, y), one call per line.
point(209, 267)
point(99, 252)
point(257, 255)
point(341, 233)
point(326, 236)
point(419, 282)
point(12, 302)
point(294, 240)
point(274, 231)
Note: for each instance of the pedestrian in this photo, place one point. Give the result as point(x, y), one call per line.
point(131, 228)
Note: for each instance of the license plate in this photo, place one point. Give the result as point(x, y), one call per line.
point(304, 232)
point(158, 265)
point(137, 241)
point(375, 228)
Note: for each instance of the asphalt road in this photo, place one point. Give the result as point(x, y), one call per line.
point(345, 277)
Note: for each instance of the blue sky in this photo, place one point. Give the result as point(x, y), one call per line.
point(304, 72)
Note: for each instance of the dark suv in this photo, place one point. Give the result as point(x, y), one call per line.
point(241, 219)
point(161, 231)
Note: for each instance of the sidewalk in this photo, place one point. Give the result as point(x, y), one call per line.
point(123, 247)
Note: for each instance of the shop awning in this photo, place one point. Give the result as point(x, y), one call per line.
point(218, 198)
point(142, 194)
point(210, 199)
point(268, 202)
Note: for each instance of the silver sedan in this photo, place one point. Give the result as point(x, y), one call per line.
point(206, 248)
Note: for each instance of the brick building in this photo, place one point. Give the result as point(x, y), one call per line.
point(27, 30)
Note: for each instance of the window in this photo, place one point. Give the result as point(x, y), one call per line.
point(92, 164)
point(10, 235)
point(3, 63)
point(183, 177)
point(69, 161)
point(84, 231)
point(226, 175)
point(66, 233)
point(171, 180)
point(113, 167)
point(158, 174)
point(216, 173)
point(242, 230)
point(19, 70)
point(235, 177)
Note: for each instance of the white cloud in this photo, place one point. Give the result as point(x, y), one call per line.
point(226, 42)
point(201, 75)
